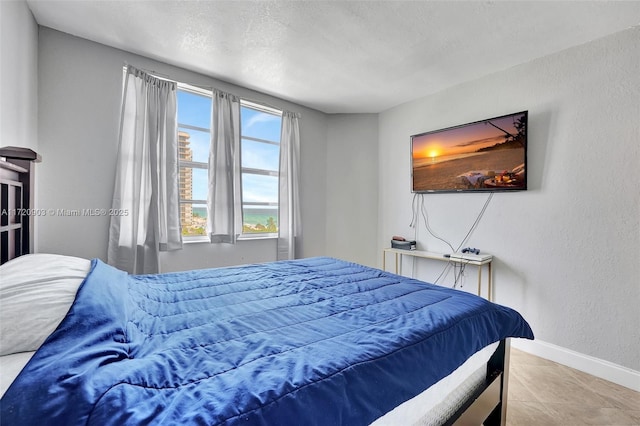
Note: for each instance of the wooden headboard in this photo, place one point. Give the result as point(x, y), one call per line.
point(16, 198)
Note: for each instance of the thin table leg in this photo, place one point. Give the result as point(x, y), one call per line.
point(480, 280)
point(396, 263)
point(490, 295)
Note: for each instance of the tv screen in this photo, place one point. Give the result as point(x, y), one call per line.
point(487, 155)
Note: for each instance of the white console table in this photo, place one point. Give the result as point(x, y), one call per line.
point(439, 256)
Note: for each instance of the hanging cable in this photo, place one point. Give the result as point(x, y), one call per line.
point(414, 214)
point(457, 275)
point(458, 278)
point(418, 208)
point(444, 270)
point(425, 216)
point(475, 224)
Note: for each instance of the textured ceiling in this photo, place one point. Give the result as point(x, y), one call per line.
point(340, 56)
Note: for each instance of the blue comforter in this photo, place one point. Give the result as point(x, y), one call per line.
point(316, 341)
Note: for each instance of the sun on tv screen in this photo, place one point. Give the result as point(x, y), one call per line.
point(487, 155)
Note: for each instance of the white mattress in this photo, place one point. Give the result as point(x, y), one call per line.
point(438, 403)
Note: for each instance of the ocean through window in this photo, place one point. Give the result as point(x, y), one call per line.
point(259, 151)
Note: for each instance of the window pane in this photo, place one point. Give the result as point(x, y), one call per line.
point(200, 184)
point(259, 188)
point(194, 219)
point(194, 110)
point(259, 155)
point(258, 124)
point(193, 184)
point(186, 183)
point(259, 219)
point(193, 145)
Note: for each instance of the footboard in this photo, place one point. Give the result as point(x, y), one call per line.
point(488, 405)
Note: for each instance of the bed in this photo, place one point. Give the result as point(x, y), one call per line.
point(16, 194)
point(317, 341)
point(310, 341)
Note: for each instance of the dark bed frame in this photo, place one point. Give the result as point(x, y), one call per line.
point(487, 406)
point(16, 195)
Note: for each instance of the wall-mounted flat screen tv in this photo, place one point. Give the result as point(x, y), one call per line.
point(487, 155)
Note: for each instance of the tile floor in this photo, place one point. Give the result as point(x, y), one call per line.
point(542, 392)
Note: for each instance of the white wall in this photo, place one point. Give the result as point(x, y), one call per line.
point(352, 179)
point(18, 76)
point(567, 249)
point(79, 103)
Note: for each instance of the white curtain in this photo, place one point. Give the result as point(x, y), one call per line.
point(288, 201)
point(146, 215)
point(223, 203)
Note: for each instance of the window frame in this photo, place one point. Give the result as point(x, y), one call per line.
point(241, 235)
point(193, 164)
point(259, 172)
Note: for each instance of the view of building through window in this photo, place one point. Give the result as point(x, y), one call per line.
point(193, 215)
point(260, 150)
point(194, 123)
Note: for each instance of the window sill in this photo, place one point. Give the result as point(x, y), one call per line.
point(195, 240)
point(250, 237)
point(204, 239)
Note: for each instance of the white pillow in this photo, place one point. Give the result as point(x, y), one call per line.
point(36, 292)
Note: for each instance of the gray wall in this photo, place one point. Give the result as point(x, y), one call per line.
point(18, 72)
point(79, 103)
point(352, 180)
point(567, 249)
point(19, 77)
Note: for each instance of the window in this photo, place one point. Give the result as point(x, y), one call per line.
point(259, 156)
point(194, 135)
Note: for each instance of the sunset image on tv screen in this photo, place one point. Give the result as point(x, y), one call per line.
point(488, 155)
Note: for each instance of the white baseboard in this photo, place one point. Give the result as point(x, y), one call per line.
point(596, 367)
